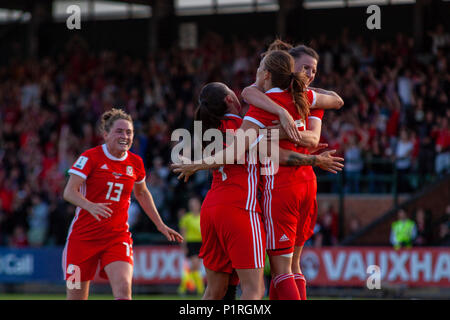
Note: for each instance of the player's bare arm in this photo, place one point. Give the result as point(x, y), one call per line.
point(187, 169)
point(255, 96)
point(231, 154)
point(145, 199)
point(324, 160)
point(326, 99)
point(73, 195)
point(308, 138)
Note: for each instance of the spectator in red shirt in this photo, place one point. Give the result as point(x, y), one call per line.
point(19, 238)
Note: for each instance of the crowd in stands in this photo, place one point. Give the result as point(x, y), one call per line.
point(396, 114)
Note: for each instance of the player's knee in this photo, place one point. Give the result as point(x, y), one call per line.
point(122, 289)
point(216, 292)
point(253, 290)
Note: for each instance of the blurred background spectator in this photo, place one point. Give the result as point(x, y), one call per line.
point(403, 231)
point(424, 236)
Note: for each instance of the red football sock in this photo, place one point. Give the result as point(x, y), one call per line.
point(286, 287)
point(301, 285)
point(272, 291)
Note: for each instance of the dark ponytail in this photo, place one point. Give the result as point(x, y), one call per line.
point(211, 105)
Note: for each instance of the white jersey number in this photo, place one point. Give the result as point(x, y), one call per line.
point(128, 246)
point(115, 188)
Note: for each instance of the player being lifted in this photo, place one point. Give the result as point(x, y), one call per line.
point(100, 186)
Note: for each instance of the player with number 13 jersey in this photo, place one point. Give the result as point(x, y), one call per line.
point(107, 180)
point(100, 185)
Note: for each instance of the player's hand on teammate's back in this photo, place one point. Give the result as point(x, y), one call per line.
point(289, 126)
point(285, 132)
point(99, 210)
point(328, 162)
point(170, 234)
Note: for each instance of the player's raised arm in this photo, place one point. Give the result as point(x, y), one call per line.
point(234, 153)
point(73, 195)
point(253, 95)
point(326, 99)
point(145, 199)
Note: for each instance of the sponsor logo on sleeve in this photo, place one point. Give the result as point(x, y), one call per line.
point(81, 162)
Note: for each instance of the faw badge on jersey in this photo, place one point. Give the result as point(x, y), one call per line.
point(81, 162)
point(129, 171)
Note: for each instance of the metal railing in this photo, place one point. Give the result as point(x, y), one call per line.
point(390, 180)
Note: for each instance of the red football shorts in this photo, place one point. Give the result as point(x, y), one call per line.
point(308, 213)
point(289, 215)
point(232, 238)
point(87, 255)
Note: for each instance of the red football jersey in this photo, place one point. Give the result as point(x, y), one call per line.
point(234, 184)
point(287, 175)
point(107, 180)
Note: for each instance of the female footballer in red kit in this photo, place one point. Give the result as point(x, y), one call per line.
point(231, 225)
point(283, 195)
point(306, 60)
point(100, 186)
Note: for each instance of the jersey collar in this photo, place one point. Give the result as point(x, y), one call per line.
point(232, 115)
point(110, 156)
point(277, 90)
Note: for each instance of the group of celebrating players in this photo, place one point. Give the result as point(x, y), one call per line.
point(252, 208)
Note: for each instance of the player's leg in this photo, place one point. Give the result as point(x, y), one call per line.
point(281, 214)
point(252, 283)
point(232, 287)
point(305, 229)
point(116, 264)
point(296, 268)
point(80, 293)
point(297, 271)
point(215, 260)
point(79, 262)
point(246, 247)
point(217, 284)
point(282, 277)
point(120, 274)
